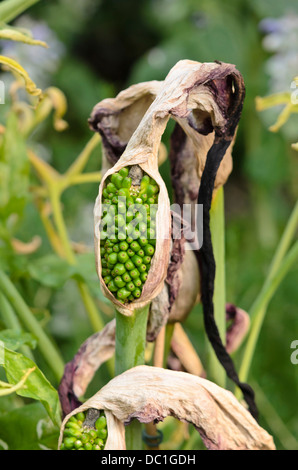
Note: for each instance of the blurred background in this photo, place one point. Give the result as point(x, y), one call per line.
point(99, 47)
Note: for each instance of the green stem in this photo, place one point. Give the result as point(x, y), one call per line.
point(217, 226)
point(260, 308)
point(46, 347)
point(168, 338)
point(60, 224)
point(130, 352)
point(94, 317)
point(94, 177)
point(284, 243)
point(79, 164)
point(91, 309)
point(10, 9)
point(11, 321)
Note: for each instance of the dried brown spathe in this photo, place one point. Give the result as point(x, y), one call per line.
point(151, 394)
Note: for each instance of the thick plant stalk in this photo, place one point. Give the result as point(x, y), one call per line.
point(130, 352)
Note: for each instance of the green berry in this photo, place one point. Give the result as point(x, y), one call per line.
point(84, 438)
point(93, 433)
point(134, 274)
point(143, 241)
point(126, 182)
point(102, 433)
point(112, 286)
point(78, 444)
point(111, 188)
point(123, 246)
point(149, 250)
point(136, 293)
point(137, 260)
point(123, 192)
point(99, 441)
point(129, 265)
point(137, 282)
point(101, 423)
point(135, 246)
point(112, 258)
point(124, 172)
point(68, 432)
point(69, 442)
point(130, 286)
point(126, 277)
point(123, 293)
point(130, 252)
point(123, 257)
point(119, 269)
point(88, 446)
point(143, 227)
point(121, 207)
point(119, 220)
point(117, 179)
point(119, 282)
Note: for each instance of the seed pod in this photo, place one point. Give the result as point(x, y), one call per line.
point(142, 173)
point(91, 427)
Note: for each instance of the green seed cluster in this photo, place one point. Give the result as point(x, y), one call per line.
point(76, 436)
point(128, 233)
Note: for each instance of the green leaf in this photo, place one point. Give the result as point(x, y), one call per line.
point(51, 271)
point(14, 170)
point(28, 428)
point(10, 9)
point(14, 339)
point(36, 387)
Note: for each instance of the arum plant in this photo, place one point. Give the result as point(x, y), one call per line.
point(187, 94)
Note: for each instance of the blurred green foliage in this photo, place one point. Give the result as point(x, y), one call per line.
point(109, 45)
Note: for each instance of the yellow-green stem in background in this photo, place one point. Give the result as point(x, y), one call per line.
point(216, 371)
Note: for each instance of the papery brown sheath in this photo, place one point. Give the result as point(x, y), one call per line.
point(151, 394)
